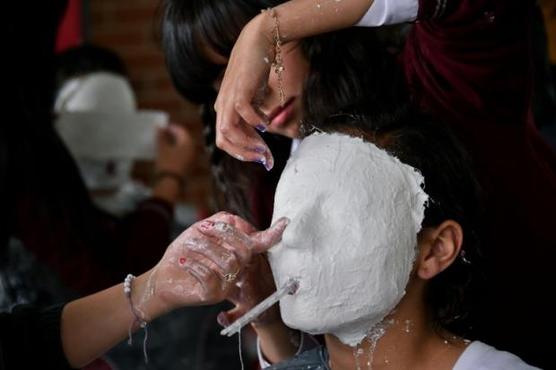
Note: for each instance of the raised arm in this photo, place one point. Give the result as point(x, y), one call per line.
point(250, 63)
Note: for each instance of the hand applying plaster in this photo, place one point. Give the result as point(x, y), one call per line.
point(213, 253)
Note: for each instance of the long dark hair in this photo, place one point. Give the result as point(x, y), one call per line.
point(188, 27)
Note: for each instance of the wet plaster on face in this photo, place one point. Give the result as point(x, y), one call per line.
point(355, 212)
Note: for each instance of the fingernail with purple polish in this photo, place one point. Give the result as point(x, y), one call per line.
point(261, 161)
point(261, 127)
point(260, 149)
point(268, 165)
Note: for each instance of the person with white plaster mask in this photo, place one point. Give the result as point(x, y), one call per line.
point(377, 226)
point(98, 120)
point(465, 61)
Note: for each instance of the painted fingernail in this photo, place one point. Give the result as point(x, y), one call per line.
point(260, 149)
point(269, 164)
point(261, 161)
point(206, 225)
point(261, 127)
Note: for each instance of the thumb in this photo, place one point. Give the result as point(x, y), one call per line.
point(264, 240)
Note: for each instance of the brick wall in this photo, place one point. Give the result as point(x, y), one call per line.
point(129, 28)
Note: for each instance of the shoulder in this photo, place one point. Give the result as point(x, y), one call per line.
point(480, 356)
point(315, 359)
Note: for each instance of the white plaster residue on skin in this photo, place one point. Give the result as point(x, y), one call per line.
point(355, 212)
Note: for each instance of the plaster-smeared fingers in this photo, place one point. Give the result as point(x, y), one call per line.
point(234, 220)
point(224, 259)
point(199, 274)
point(231, 237)
point(210, 280)
point(264, 240)
point(257, 242)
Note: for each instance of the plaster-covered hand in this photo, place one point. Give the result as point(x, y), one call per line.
point(249, 65)
point(256, 284)
point(204, 264)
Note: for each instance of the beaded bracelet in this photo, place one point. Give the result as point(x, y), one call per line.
point(137, 314)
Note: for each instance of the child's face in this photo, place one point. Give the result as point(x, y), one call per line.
point(355, 213)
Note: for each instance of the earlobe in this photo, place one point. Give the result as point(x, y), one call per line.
point(441, 246)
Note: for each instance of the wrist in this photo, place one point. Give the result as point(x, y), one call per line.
point(144, 296)
point(277, 342)
point(263, 25)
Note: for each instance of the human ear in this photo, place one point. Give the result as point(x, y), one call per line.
point(439, 247)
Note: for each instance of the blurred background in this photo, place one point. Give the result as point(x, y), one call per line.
point(130, 29)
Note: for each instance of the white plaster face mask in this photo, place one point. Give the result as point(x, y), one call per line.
point(355, 213)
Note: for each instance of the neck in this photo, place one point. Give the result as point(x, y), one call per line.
point(404, 340)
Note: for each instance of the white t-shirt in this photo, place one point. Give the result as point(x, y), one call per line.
point(477, 356)
point(384, 12)
point(480, 356)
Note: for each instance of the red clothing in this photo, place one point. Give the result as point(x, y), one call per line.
point(469, 65)
point(53, 216)
point(96, 256)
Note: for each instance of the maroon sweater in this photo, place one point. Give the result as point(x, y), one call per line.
point(469, 64)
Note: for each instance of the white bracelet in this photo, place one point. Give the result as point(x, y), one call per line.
point(137, 314)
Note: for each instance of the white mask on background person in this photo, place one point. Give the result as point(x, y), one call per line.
point(98, 120)
point(354, 212)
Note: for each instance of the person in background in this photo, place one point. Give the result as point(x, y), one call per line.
point(70, 246)
point(97, 118)
point(45, 203)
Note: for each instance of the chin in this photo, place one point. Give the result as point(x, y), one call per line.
point(290, 130)
point(305, 319)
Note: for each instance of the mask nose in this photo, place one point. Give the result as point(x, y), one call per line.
point(303, 231)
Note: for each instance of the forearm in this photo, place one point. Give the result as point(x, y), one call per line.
point(276, 342)
point(92, 325)
point(304, 18)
